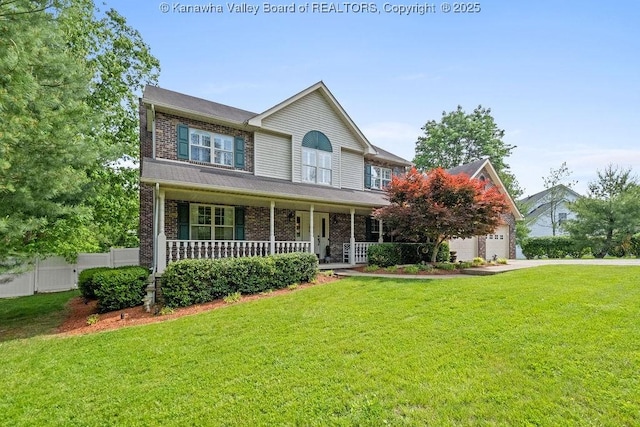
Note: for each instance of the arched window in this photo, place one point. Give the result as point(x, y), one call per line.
point(316, 158)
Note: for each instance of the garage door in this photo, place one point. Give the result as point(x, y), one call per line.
point(498, 243)
point(466, 249)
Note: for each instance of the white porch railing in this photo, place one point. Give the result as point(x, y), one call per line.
point(360, 251)
point(286, 247)
point(214, 249)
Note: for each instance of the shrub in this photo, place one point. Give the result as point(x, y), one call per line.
point(231, 298)
point(478, 261)
point(371, 268)
point(552, 247)
point(85, 281)
point(384, 254)
point(412, 269)
point(92, 319)
point(464, 264)
point(388, 254)
point(502, 261)
point(391, 269)
point(447, 266)
point(119, 288)
point(425, 267)
point(195, 281)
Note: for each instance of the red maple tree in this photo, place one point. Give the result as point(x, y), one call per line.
point(440, 206)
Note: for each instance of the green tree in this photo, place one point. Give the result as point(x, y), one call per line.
point(558, 185)
point(440, 206)
point(460, 138)
point(46, 141)
point(121, 64)
point(69, 78)
point(610, 213)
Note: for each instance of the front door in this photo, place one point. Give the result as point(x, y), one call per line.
point(320, 231)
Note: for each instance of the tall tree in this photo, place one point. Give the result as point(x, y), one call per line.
point(69, 78)
point(440, 206)
point(46, 131)
point(121, 64)
point(460, 138)
point(609, 214)
point(558, 185)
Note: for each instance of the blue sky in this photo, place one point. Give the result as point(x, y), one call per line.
point(561, 78)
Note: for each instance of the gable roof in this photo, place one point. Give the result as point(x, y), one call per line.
point(471, 169)
point(169, 99)
point(535, 198)
point(474, 168)
point(177, 102)
point(385, 155)
point(321, 88)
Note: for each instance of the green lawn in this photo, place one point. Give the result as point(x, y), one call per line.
point(30, 316)
point(556, 345)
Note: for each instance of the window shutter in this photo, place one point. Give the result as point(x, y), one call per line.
point(239, 153)
point(239, 222)
point(183, 221)
point(369, 236)
point(183, 142)
point(367, 176)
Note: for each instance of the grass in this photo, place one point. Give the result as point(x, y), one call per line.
point(555, 345)
point(30, 316)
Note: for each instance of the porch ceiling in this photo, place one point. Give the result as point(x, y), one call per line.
point(183, 181)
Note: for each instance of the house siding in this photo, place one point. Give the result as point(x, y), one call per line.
point(352, 166)
point(146, 137)
point(166, 135)
point(273, 156)
point(313, 112)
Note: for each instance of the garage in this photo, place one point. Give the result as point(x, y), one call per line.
point(498, 243)
point(466, 249)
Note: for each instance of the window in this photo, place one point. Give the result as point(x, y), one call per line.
point(211, 222)
point(375, 226)
point(380, 177)
point(316, 166)
point(562, 217)
point(316, 158)
point(201, 150)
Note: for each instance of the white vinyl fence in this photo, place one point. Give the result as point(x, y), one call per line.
point(55, 274)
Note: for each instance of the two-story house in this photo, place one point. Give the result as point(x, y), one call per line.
point(547, 210)
point(218, 181)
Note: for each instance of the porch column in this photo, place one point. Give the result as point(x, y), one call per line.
point(272, 232)
point(380, 237)
point(312, 238)
point(352, 240)
point(161, 259)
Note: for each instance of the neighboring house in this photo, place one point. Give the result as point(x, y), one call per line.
point(548, 207)
point(502, 242)
point(218, 181)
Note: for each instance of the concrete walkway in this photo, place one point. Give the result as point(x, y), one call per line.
point(514, 264)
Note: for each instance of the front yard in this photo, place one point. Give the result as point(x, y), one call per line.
point(554, 345)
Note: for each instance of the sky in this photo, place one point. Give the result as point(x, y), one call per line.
point(562, 78)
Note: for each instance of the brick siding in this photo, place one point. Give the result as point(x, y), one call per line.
point(166, 135)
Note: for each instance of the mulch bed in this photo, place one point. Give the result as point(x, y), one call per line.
point(400, 271)
point(79, 311)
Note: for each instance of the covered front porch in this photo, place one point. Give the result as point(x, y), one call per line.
point(237, 225)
